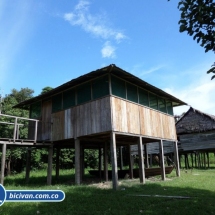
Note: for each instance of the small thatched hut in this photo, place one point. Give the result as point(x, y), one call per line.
point(196, 134)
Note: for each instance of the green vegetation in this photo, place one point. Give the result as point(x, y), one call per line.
point(197, 19)
point(16, 156)
point(92, 199)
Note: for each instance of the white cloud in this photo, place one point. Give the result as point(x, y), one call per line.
point(153, 69)
point(108, 51)
point(82, 5)
point(140, 69)
point(94, 24)
point(199, 94)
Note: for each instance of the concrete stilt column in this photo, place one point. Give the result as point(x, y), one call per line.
point(77, 162)
point(176, 158)
point(28, 165)
point(49, 170)
point(163, 175)
point(114, 161)
point(105, 163)
point(3, 157)
point(141, 161)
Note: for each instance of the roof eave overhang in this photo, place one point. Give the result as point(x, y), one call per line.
point(95, 74)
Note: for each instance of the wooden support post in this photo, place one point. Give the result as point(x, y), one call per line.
point(49, 170)
point(17, 132)
point(187, 166)
point(208, 159)
point(141, 161)
point(176, 159)
point(146, 156)
point(28, 165)
point(114, 161)
point(105, 162)
point(163, 174)
point(77, 162)
point(130, 163)
point(185, 161)
point(195, 161)
point(15, 129)
point(82, 161)
point(3, 158)
point(35, 131)
point(179, 160)
point(151, 157)
point(191, 154)
point(100, 163)
point(121, 157)
point(57, 164)
point(199, 163)
point(204, 157)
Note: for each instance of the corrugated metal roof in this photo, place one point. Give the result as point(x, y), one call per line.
point(113, 69)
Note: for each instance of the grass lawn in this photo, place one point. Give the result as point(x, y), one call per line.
point(98, 199)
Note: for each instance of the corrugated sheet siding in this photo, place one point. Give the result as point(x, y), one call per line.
point(136, 119)
point(89, 118)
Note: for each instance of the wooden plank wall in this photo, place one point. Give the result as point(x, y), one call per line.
point(89, 118)
point(46, 120)
point(198, 141)
point(136, 119)
point(95, 117)
point(31, 130)
point(153, 148)
point(44, 125)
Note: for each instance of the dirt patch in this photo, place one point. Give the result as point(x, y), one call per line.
point(104, 185)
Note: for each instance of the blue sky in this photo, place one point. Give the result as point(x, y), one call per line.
point(47, 43)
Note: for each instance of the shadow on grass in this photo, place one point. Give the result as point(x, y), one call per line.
point(88, 200)
point(35, 179)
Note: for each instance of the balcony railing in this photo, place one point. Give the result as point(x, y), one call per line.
point(15, 124)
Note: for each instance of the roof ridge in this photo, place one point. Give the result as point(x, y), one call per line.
point(198, 111)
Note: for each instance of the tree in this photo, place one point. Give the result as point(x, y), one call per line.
point(15, 157)
point(198, 20)
point(46, 89)
point(212, 70)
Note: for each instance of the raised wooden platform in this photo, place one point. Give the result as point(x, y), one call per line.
point(24, 142)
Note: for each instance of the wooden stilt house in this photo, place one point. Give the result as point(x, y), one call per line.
point(196, 134)
point(104, 109)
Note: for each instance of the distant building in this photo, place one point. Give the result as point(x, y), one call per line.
point(196, 133)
